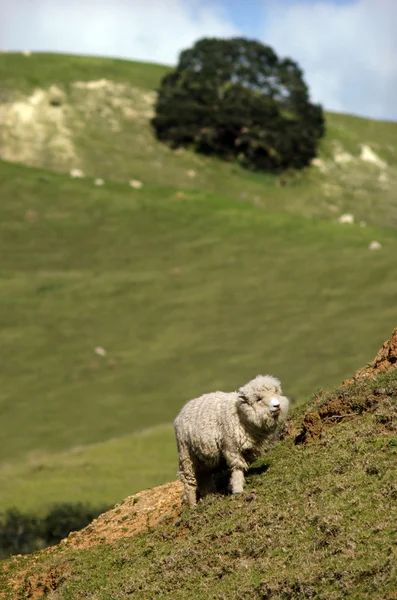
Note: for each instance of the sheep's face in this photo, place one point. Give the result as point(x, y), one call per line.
point(261, 402)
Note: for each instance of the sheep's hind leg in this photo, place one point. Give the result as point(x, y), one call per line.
point(190, 494)
point(187, 476)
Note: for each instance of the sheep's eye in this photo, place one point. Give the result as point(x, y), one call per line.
point(259, 399)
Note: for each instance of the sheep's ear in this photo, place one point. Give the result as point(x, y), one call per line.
point(242, 396)
point(278, 387)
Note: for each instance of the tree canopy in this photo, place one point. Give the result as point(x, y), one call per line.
point(236, 98)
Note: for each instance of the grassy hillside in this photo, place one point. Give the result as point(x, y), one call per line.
point(315, 521)
point(204, 277)
point(184, 294)
point(63, 112)
point(104, 472)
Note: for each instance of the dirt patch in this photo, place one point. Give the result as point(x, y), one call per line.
point(39, 129)
point(385, 360)
point(332, 412)
point(342, 157)
point(320, 164)
point(32, 581)
point(347, 405)
point(368, 155)
point(38, 585)
point(113, 102)
point(137, 513)
point(36, 125)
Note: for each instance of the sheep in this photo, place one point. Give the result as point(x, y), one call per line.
point(227, 429)
point(76, 173)
point(347, 218)
point(375, 246)
point(134, 183)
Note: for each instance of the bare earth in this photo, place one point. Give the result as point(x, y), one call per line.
point(137, 513)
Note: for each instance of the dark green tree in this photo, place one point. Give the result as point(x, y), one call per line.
point(19, 533)
point(235, 98)
point(65, 517)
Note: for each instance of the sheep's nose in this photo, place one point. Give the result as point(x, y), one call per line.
point(274, 405)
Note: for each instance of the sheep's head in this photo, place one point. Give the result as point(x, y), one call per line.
point(261, 403)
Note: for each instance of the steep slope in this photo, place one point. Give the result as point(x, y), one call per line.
point(317, 520)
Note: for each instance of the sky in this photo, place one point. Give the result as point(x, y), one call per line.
point(346, 48)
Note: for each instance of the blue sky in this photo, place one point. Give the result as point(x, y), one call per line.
point(247, 16)
point(250, 15)
point(346, 48)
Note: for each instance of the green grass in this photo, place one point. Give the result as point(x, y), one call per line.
point(185, 295)
point(18, 72)
point(315, 521)
point(190, 284)
point(111, 471)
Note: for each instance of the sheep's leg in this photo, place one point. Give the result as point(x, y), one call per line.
point(190, 494)
point(187, 476)
point(237, 465)
point(236, 484)
point(206, 484)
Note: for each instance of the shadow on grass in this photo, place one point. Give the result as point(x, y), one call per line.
point(257, 469)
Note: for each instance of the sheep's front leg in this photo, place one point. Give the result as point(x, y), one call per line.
point(236, 484)
point(237, 465)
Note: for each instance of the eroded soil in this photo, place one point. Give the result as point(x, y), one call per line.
point(347, 404)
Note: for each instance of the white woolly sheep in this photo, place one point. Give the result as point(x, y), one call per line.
point(76, 173)
point(346, 219)
point(375, 246)
point(134, 183)
point(230, 430)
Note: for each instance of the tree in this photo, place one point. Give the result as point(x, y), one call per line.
point(65, 517)
point(19, 533)
point(235, 98)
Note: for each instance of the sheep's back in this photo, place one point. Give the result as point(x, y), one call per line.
point(202, 422)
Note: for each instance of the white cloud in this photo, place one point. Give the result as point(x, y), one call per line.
point(347, 51)
point(154, 30)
